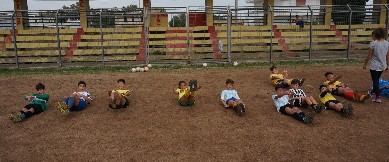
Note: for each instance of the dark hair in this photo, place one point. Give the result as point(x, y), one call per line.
point(122, 80)
point(321, 86)
point(40, 86)
point(179, 83)
point(278, 86)
point(295, 81)
point(229, 81)
point(328, 73)
point(379, 33)
point(81, 82)
point(272, 68)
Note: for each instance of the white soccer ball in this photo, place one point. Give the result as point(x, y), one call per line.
point(146, 69)
point(149, 65)
point(205, 64)
point(142, 69)
point(236, 63)
point(133, 70)
point(137, 69)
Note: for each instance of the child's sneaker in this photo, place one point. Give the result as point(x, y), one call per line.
point(112, 104)
point(193, 85)
point(318, 108)
point(378, 99)
point(301, 82)
point(17, 117)
point(350, 109)
point(238, 110)
point(347, 110)
point(11, 116)
point(309, 117)
point(242, 107)
point(372, 95)
point(364, 98)
point(61, 106)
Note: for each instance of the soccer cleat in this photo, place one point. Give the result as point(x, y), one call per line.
point(17, 117)
point(309, 117)
point(11, 116)
point(193, 85)
point(378, 99)
point(355, 97)
point(350, 109)
point(364, 98)
point(318, 108)
point(62, 107)
point(346, 110)
point(242, 109)
point(112, 104)
point(301, 82)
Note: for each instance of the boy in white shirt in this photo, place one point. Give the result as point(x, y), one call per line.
point(281, 101)
point(231, 99)
point(76, 101)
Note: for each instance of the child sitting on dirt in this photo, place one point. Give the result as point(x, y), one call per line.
point(186, 97)
point(281, 101)
point(37, 104)
point(279, 78)
point(343, 90)
point(231, 99)
point(76, 101)
point(330, 101)
point(118, 98)
point(299, 99)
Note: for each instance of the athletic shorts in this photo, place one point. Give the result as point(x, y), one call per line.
point(297, 103)
point(188, 103)
point(230, 99)
point(282, 108)
point(281, 82)
point(81, 106)
point(36, 107)
point(327, 104)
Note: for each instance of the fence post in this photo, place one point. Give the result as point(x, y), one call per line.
point(349, 32)
point(101, 36)
point(14, 40)
point(387, 22)
point(187, 32)
point(145, 33)
point(58, 40)
point(229, 33)
point(271, 33)
point(310, 33)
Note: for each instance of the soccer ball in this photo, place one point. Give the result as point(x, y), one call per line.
point(137, 69)
point(147, 69)
point(142, 69)
point(205, 64)
point(236, 63)
point(133, 70)
point(149, 65)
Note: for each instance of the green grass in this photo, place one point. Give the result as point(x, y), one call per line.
point(72, 70)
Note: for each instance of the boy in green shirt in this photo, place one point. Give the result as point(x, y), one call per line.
point(37, 104)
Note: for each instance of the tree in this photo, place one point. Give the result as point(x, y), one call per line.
point(178, 20)
point(343, 17)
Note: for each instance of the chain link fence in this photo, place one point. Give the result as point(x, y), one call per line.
point(185, 35)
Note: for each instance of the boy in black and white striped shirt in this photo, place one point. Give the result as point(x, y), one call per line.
point(299, 99)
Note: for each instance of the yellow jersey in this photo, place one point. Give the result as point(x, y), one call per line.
point(181, 92)
point(326, 98)
point(335, 83)
point(276, 81)
point(122, 91)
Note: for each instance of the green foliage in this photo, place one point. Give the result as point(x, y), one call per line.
point(178, 21)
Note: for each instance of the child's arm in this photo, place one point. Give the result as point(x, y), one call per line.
point(224, 103)
point(285, 73)
point(275, 77)
point(368, 57)
point(279, 96)
point(175, 91)
point(127, 93)
point(323, 94)
point(387, 61)
point(87, 99)
point(42, 96)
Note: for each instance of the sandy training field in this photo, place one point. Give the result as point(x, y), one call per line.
point(155, 128)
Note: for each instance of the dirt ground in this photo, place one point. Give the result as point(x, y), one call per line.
point(155, 128)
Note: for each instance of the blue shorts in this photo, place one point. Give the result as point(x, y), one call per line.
point(232, 99)
point(81, 106)
point(281, 82)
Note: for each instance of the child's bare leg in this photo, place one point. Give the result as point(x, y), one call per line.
point(341, 91)
point(293, 110)
point(116, 97)
point(337, 107)
point(184, 99)
point(231, 103)
point(76, 100)
point(122, 100)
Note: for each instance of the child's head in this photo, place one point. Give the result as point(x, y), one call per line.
point(297, 16)
point(274, 69)
point(230, 84)
point(295, 83)
point(323, 88)
point(81, 86)
point(182, 84)
point(121, 83)
point(378, 34)
point(40, 88)
point(372, 35)
point(279, 89)
point(329, 76)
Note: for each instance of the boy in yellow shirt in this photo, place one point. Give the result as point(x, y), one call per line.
point(118, 98)
point(278, 78)
point(330, 101)
point(186, 96)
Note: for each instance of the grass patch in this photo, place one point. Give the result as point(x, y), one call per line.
point(72, 70)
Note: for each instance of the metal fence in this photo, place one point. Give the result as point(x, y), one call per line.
point(182, 35)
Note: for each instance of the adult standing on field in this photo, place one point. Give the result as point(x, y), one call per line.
point(378, 60)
